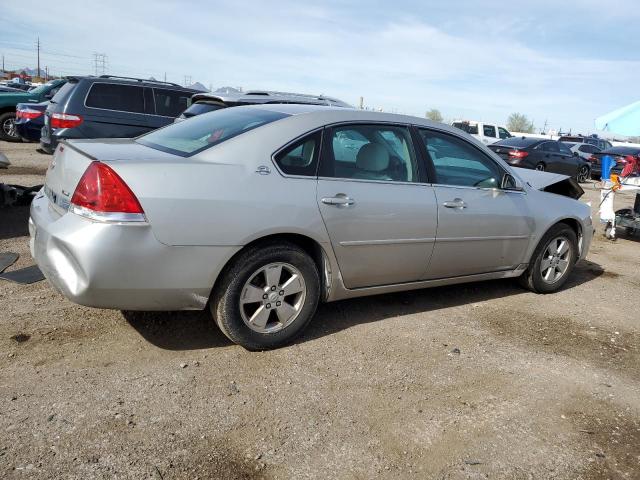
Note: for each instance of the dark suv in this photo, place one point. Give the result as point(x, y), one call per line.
point(111, 107)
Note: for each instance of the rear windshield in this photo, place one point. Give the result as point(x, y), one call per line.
point(205, 131)
point(200, 108)
point(620, 151)
point(64, 92)
point(470, 129)
point(571, 139)
point(520, 142)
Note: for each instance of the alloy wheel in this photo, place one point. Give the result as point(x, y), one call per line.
point(583, 174)
point(540, 167)
point(555, 261)
point(9, 128)
point(272, 298)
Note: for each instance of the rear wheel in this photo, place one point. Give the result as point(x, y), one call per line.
point(540, 167)
point(267, 296)
point(584, 173)
point(553, 260)
point(8, 131)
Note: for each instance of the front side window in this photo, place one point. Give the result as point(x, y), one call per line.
point(503, 133)
point(458, 163)
point(371, 152)
point(111, 96)
point(489, 131)
point(204, 131)
point(171, 103)
point(564, 149)
point(301, 158)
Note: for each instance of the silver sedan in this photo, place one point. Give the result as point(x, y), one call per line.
point(259, 213)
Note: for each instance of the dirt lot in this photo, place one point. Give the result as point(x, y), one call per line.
point(466, 382)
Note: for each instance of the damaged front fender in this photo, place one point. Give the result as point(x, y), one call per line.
point(551, 182)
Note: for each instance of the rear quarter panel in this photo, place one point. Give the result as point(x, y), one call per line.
point(218, 198)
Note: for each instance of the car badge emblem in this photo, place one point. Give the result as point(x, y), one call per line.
point(263, 170)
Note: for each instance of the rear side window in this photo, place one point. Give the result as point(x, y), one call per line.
point(171, 103)
point(371, 152)
point(62, 95)
point(301, 158)
point(548, 147)
point(205, 131)
point(489, 131)
point(586, 148)
point(110, 96)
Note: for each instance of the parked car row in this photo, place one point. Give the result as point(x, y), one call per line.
point(118, 107)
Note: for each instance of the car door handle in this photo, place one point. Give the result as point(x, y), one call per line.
point(455, 203)
point(340, 200)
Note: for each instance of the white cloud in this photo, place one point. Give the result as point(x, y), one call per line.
point(466, 64)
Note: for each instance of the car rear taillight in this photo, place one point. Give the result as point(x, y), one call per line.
point(28, 113)
point(518, 154)
point(102, 195)
point(592, 159)
point(65, 120)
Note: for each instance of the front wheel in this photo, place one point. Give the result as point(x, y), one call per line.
point(267, 296)
point(553, 260)
point(8, 131)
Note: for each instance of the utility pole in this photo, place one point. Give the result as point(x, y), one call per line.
point(46, 74)
point(99, 63)
point(38, 47)
point(187, 80)
point(361, 105)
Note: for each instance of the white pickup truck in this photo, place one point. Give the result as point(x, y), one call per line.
point(487, 133)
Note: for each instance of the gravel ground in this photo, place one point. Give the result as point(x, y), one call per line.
point(475, 381)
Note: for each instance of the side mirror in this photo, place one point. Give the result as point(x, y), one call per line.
point(576, 154)
point(509, 182)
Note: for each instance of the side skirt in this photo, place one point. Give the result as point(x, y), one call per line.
point(340, 292)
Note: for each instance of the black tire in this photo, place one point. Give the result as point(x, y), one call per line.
point(541, 167)
point(8, 133)
point(532, 278)
point(584, 174)
point(224, 303)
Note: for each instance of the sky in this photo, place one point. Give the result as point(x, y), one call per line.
point(561, 63)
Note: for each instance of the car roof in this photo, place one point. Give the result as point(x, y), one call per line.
point(131, 81)
point(327, 115)
point(267, 96)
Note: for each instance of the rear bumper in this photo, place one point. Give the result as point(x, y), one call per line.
point(28, 131)
point(120, 266)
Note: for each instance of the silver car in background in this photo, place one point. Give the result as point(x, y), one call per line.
point(259, 213)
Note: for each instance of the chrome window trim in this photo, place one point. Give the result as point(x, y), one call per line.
point(124, 111)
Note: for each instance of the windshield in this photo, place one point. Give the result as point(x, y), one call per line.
point(41, 88)
point(204, 131)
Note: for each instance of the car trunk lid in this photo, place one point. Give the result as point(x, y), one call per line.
point(72, 158)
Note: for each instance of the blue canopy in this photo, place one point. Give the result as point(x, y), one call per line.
point(623, 121)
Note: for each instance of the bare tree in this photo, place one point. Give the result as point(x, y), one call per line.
point(518, 122)
point(434, 115)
